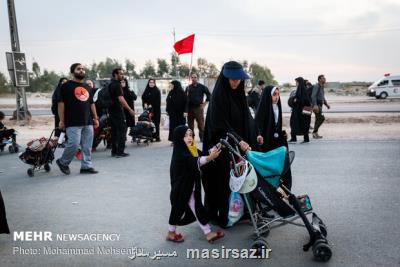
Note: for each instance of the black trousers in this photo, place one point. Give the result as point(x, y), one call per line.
point(118, 134)
point(57, 131)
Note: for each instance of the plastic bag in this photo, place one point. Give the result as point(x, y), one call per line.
point(236, 208)
point(166, 123)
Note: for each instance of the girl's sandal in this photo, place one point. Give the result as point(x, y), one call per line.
point(219, 234)
point(178, 238)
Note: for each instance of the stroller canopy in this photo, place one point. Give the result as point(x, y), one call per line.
point(270, 164)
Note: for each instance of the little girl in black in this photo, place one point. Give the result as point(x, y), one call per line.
point(186, 203)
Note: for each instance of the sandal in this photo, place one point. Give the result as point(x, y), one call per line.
point(219, 234)
point(178, 238)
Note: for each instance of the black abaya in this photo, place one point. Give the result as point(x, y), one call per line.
point(265, 122)
point(228, 112)
point(176, 103)
point(152, 96)
point(267, 128)
point(3, 219)
point(130, 98)
point(299, 122)
point(185, 175)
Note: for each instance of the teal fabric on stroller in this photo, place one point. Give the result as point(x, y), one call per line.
point(269, 164)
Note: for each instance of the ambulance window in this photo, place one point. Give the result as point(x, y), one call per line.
point(396, 82)
point(383, 83)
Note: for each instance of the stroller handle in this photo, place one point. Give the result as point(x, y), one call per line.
point(225, 143)
point(234, 137)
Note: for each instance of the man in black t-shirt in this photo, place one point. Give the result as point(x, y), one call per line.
point(77, 116)
point(117, 116)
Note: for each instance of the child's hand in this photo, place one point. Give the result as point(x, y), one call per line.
point(214, 153)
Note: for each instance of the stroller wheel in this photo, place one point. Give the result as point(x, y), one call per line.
point(30, 172)
point(322, 251)
point(260, 244)
point(47, 167)
point(11, 149)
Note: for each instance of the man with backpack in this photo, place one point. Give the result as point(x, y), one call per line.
point(318, 100)
point(117, 116)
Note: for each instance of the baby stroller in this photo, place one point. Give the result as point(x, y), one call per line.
point(144, 128)
point(39, 153)
point(257, 176)
point(9, 137)
point(102, 133)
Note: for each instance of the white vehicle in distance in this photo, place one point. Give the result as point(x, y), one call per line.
point(389, 85)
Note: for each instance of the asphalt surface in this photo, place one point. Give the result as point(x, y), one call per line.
point(352, 105)
point(354, 187)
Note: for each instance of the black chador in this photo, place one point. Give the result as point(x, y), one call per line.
point(269, 121)
point(176, 103)
point(269, 125)
point(228, 112)
point(185, 176)
point(3, 220)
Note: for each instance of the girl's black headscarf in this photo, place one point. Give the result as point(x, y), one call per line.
point(180, 148)
point(265, 118)
point(227, 111)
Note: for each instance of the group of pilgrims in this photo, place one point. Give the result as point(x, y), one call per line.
point(191, 168)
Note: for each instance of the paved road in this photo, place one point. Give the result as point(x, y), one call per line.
point(340, 104)
point(354, 186)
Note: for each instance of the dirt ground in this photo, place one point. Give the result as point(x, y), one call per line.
point(337, 126)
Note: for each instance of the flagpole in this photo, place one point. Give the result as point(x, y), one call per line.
point(191, 62)
point(176, 69)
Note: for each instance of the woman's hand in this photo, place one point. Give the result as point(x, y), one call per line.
point(214, 153)
point(260, 140)
point(244, 146)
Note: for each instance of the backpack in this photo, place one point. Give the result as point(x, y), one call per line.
point(102, 98)
point(291, 99)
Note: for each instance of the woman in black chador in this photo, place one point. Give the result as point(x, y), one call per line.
point(228, 112)
point(152, 98)
point(3, 220)
point(186, 205)
point(130, 98)
point(176, 102)
point(299, 122)
point(269, 126)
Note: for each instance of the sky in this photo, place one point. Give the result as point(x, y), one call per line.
point(347, 40)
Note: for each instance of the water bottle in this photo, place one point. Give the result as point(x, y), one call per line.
point(61, 138)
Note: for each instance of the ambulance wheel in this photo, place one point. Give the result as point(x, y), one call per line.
point(260, 244)
point(322, 251)
point(47, 167)
point(383, 95)
point(30, 172)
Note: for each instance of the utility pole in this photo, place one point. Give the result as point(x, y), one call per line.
point(17, 66)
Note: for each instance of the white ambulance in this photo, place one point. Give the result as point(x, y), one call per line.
point(389, 85)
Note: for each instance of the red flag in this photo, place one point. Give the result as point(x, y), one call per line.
point(185, 45)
